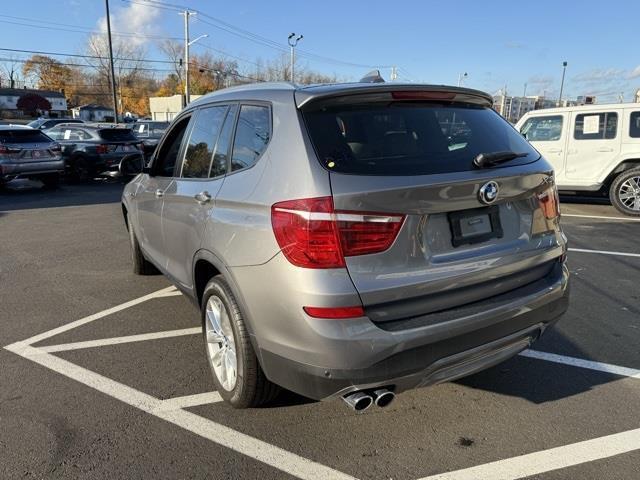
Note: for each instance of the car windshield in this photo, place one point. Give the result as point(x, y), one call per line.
point(23, 136)
point(35, 123)
point(410, 139)
point(116, 134)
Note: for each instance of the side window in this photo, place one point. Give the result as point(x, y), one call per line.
point(165, 160)
point(596, 126)
point(219, 165)
point(252, 136)
point(55, 134)
point(199, 152)
point(543, 129)
point(634, 125)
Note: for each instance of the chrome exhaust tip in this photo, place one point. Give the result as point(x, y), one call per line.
point(358, 401)
point(383, 397)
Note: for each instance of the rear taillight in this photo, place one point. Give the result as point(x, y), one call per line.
point(334, 312)
point(550, 203)
point(55, 148)
point(4, 149)
point(102, 149)
point(312, 234)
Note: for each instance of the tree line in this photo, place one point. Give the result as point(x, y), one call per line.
point(86, 78)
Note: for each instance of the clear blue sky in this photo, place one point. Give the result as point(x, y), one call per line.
point(496, 42)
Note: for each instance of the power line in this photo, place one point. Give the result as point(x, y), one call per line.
point(77, 55)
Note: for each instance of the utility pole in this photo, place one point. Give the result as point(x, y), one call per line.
point(503, 105)
point(564, 70)
point(113, 75)
point(187, 95)
point(394, 73)
point(461, 78)
point(524, 97)
point(292, 40)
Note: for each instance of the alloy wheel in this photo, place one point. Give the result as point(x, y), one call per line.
point(629, 193)
point(221, 346)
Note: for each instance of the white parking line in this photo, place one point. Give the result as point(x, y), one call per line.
point(548, 460)
point(579, 362)
point(602, 217)
point(96, 316)
point(605, 252)
point(257, 449)
point(117, 340)
point(191, 400)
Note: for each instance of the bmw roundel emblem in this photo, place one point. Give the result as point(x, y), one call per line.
point(489, 192)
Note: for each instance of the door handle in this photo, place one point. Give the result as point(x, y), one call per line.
point(202, 197)
point(555, 150)
point(604, 149)
point(131, 194)
point(159, 193)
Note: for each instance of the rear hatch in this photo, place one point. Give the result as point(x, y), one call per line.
point(453, 233)
point(119, 141)
point(26, 146)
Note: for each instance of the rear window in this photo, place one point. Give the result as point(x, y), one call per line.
point(23, 136)
point(117, 135)
point(410, 139)
point(150, 129)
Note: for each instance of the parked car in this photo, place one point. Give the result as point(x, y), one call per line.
point(47, 123)
point(340, 244)
point(594, 149)
point(29, 153)
point(92, 150)
point(150, 133)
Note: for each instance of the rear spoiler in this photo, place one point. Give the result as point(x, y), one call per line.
point(317, 96)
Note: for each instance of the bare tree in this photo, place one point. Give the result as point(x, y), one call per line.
point(174, 52)
point(12, 67)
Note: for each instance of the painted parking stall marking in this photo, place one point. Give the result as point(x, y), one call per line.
point(173, 410)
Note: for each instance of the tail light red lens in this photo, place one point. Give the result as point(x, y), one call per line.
point(4, 149)
point(312, 234)
point(334, 313)
point(102, 149)
point(550, 203)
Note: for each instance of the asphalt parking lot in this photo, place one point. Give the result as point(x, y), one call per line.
point(102, 374)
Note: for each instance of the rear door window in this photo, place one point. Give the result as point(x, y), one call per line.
point(220, 157)
point(410, 139)
point(202, 140)
point(543, 129)
point(596, 126)
point(252, 136)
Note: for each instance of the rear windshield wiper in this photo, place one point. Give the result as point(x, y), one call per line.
point(484, 160)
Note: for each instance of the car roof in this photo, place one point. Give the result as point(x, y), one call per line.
point(305, 94)
point(95, 126)
point(583, 108)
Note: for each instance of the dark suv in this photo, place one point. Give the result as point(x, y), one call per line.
point(92, 150)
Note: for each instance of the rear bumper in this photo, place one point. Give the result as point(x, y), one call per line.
point(360, 355)
point(14, 170)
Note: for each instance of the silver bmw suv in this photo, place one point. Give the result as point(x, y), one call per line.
point(351, 240)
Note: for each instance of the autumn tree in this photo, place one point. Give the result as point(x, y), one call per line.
point(32, 103)
point(47, 73)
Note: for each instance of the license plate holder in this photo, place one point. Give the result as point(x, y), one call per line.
point(475, 225)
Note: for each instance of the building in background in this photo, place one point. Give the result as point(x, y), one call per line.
point(9, 98)
point(93, 113)
point(164, 109)
point(512, 108)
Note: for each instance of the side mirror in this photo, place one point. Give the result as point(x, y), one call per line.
point(131, 165)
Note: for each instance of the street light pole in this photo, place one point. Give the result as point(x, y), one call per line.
point(113, 75)
point(292, 40)
point(564, 70)
point(461, 77)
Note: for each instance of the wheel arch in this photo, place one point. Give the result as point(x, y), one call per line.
point(623, 166)
point(207, 265)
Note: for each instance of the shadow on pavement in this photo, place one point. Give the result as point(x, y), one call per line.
point(22, 195)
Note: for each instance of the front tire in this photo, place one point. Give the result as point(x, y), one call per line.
point(140, 265)
point(51, 181)
point(236, 372)
point(625, 192)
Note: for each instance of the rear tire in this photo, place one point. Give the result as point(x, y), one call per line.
point(624, 193)
point(250, 387)
point(79, 171)
point(140, 265)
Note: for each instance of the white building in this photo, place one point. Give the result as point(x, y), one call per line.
point(9, 99)
point(93, 113)
point(164, 109)
point(512, 108)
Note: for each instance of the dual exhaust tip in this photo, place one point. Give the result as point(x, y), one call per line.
point(360, 401)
